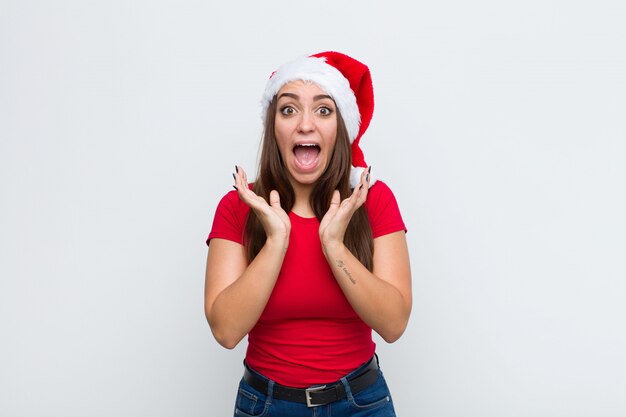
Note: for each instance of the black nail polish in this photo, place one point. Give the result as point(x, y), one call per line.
point(369, 169)
point(367, 178)
point(235, 187)
point(234, 177)
point(236, 169)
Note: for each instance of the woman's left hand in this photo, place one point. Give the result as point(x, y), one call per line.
point(335, 222)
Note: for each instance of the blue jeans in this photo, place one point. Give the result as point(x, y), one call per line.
point(373, 401)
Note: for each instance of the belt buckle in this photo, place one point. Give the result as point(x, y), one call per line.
point(307, 393)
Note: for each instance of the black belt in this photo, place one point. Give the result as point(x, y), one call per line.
point(318, 395)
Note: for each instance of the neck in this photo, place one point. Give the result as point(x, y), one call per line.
point(302, 204)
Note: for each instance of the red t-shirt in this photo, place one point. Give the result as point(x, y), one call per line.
point(308, 333)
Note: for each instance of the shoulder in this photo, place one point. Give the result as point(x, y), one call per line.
point(380, 189)
point(230, 218)
point(379, 195)
point(382, 210)
point(231, 201)
point(231, 198)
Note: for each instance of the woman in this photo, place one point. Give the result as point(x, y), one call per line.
point(312, 256)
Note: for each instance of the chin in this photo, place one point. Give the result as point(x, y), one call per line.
point(306, 179)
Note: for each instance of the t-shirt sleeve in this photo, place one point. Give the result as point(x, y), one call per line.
point(383, 211)
point(230, 219)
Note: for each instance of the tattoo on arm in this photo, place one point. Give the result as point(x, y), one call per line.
point(343, 267)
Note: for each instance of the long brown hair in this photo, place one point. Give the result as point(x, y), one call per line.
point(271, 176)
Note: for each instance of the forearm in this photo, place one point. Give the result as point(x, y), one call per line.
point(237, 308)
point(378, 303)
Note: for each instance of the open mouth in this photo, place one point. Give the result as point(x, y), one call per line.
point(306, 154)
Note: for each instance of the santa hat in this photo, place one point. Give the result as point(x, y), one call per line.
point(347, 81)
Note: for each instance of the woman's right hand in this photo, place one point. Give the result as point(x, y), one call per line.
point(274, 219)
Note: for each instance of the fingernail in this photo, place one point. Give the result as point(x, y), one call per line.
point(367, 177)
point(236, 169)
point(369, 169)
point(234, 177)
point(360, 186)
point(235, 187)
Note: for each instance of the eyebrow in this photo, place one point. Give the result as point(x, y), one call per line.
point(315, 98)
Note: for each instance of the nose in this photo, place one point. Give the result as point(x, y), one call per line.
point(307, 123)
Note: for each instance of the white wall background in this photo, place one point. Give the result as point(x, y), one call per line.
point(499, 125)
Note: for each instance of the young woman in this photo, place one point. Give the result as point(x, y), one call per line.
point(312, 256)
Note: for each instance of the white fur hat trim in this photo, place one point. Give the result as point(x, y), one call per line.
point(355, 176)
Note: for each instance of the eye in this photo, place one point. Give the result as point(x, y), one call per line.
point(287, 110)
point(325, 111)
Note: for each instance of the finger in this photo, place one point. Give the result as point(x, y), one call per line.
point(359, 193)
point(362, 196)
point(244, 177)
point(347, 205)
point(242, 183)
point(365, 175)
point(274, 199)
point(335, 199)
point(365, 184)
point(245, 193)
point(363, 188)
point(236, 176)
point(355, 193)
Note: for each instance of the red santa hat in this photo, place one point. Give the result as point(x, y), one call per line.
point(347, 81)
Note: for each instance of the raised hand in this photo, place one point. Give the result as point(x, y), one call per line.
point(335, 222)
point(274, 219)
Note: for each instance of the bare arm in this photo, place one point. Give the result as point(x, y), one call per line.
point(236, 292)
point(383, 297)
